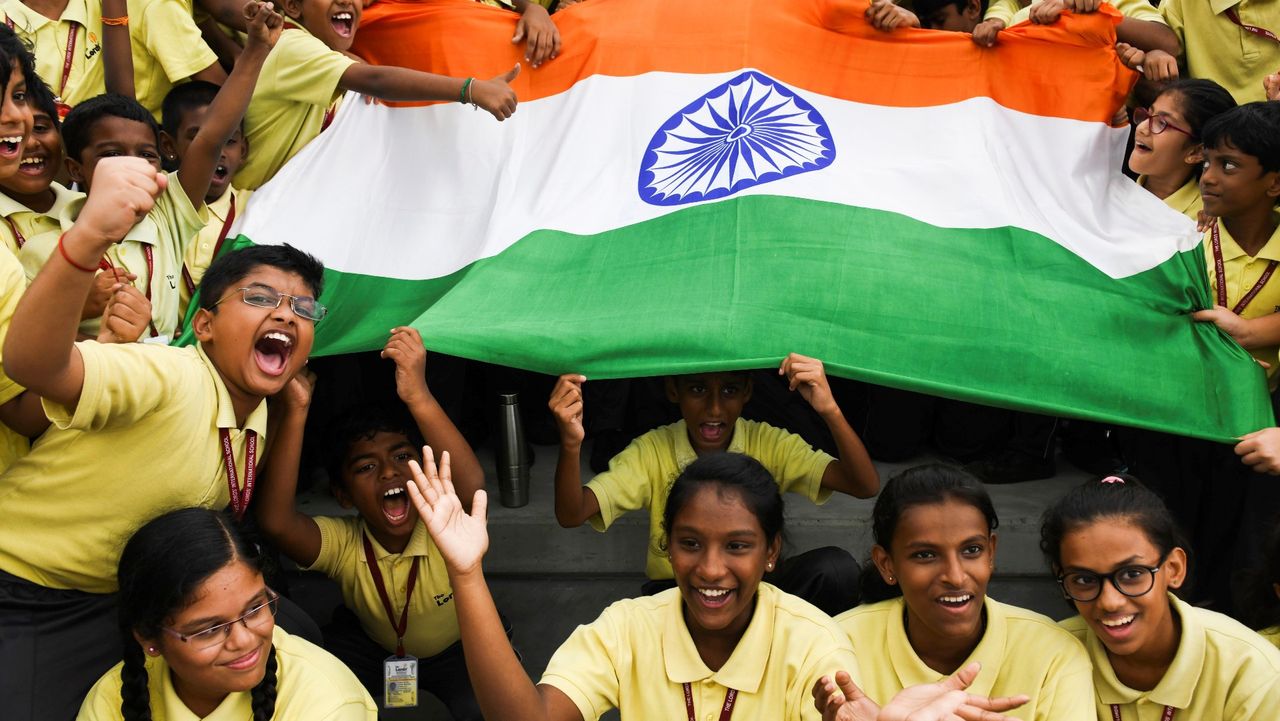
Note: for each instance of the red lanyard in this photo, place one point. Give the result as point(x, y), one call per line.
point(17, 234)
point(149, 253)
point(222, 238)
point(330, 111)
point(67, 60)
point(240, 501)
point(730, 698)
point(1166, 716)
point(403, 625)
point(1234, 17)
point(1220, 274)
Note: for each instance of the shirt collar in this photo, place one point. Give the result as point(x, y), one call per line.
point(1231, 249)
point(744, 670)
point(912, 671)
point(61, 196)
point(221, 207)
point(419, 543)
point(684, 450)
point(1220, 6)
point(235, 707)
point(1177, 686)
point(257, 420)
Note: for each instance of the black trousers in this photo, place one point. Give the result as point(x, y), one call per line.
point(827, 577)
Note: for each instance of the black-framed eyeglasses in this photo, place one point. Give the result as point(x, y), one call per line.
point(264, 296)
point(255, 618)
point(1159, 123)
point(1132, 581)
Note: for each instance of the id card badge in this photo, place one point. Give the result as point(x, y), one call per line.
point(400, 682)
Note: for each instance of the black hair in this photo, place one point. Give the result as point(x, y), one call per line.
point(42, 99)
point(1199, 101)
point(80, 121)
point(1254, 128)
point(362, 423)
point(927, 485)
point(14, 48)
point(926, 8)
point(161, 566)
point(1260, 604)
point(181, 100)
point(233, 267)
point(729, 473)
point(1119, 497)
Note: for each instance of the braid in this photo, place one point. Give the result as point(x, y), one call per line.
point(264, 694)
point(135, 696)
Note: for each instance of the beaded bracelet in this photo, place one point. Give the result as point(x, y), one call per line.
point(122, 20)
point(67, 257)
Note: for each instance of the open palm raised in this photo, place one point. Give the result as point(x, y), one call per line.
point(461, 537)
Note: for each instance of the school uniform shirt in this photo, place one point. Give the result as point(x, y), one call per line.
point(165, 44)
point(200, 252)
point(433, 618)
point(1136, 9)
point(1271, 634)
point(638, 654)
point(1215, 48)
point(143, 440)
point(311, 686)
point(1242, 272)
point(1185, 200)
point(1222, 671)
point(13, 284)
point(172, 224)
point(297, 88)
point(641, 475)
point(29, 223)
point(1021, 652)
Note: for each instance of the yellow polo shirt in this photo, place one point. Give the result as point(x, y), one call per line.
point(311, 686)
point(143, 440)
point(29, 222)
point(433, 619)
point(1217, 49)
point(13, 284)
point(1271, 634)
point(1002, 10)
point(1021, 652)
point(1222, 671)
point(638, 654)
point(1185, 200)
point(1136, 9)
point(641, 475)
point(165, 43)
point(199, 254)
point(1242, 272)
point(171, 225)
point(297, 86)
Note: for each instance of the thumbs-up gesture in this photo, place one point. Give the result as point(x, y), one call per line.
point(496, 95)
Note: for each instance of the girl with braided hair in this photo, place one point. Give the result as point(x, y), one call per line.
point(198, 627)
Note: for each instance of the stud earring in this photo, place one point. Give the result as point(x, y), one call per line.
point(891, 579)
point(151, 649)
point(768, 566)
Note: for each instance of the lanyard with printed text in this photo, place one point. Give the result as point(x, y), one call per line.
point(730, 698)
point(1234, 17)
point(1166, 716)
point(149, 254)
point(240, 500)
point(17, 234)
point(1220, 275)
point(69, 57)
point(403, 624)
point(222, 238)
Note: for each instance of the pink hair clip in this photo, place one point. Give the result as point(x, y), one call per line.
point(1112, 479)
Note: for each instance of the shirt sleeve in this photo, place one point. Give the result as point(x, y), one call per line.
point(180, 222)
point(122, 384)
point(841, 659)
point(338, 537)
point(303, 69)
point(584, 668)
point(13, 284)
point(1068, 690)
point(626, 486)
point(1001, 10)
point(1171, 11)
point(170, 35)
point(103, 701)
point(1259, 706)
point(1139, 10)
point(796, 465)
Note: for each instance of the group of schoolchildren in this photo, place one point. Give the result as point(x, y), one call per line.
point(142, 527)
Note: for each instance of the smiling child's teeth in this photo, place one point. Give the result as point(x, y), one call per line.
point(1117, 622)
point(342, 16)
point(280, 337)
point(393, 492)
point(713, 592)
point(32, 161)
point(956, 599)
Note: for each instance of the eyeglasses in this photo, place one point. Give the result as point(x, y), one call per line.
point(255, 618)
point(1132, 581)
point(1158, 122)
point(264, 296)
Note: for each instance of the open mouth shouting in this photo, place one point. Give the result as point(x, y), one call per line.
point(343, 23)
point(395, 505)
point(712, 431)
point(272, 352)
point(11, 147)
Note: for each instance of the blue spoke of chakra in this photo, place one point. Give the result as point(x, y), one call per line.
point(745, 132)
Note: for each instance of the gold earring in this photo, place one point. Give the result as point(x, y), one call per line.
point(891, 579)
point(768, 566)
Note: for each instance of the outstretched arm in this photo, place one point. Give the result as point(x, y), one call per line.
point(275, 504)
point(387, 82)
point(505, 692)
point(854, 473)
point(575, 503)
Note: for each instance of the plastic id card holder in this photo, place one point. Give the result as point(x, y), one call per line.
point(400, 682)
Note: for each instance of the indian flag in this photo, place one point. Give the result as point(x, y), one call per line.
point(698, 185)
